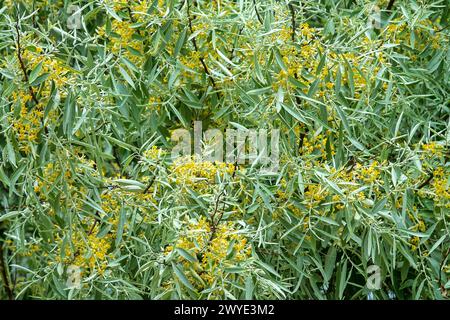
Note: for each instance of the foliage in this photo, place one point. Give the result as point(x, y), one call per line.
point(86, 177)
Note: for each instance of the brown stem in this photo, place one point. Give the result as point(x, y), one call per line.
point(440, 270)
point(117, 157)
point(301, 139)
point(95, 131)
point(234, 48)
point(214, 224)
point(257, 12)
point(22, 65)
point(152, 180)
point(443, 28)
point(194, 42)
point(297, 98)
point(97, 219)
point(93, 227)
point(427, 181)
point(4, 272)
point(390, 5)
point(130, 14)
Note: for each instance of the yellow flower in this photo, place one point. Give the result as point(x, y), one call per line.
point(370, 174)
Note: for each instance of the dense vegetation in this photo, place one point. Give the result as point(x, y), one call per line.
point(93, 205)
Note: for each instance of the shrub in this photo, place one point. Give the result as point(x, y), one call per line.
point(94, 205)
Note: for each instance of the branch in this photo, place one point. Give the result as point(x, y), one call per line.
point(216, 205)
point(234, 48)
point(116, 156)
point(390, 5)
point(97, 219)
point(443, 28)
point(297, 98)
point(194, 42)
point(130, 14)
point(22, 64)
point(440, 270)
point(257, 12)
point(153, 178)
point(427, 181)
point(4, 273)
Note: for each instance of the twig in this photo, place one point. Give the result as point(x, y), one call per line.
point(202, 60)
point(152, 180)
point(292, 10)
point(390, 5)
point(130, 14)
point(427, 181)
point(181, 5)
point(5, 278)
point(297, 98)
point(443, 28)
point(117, 158)
point(97, 219)
point(234, 48)
point(216, 205)
point(302, 139)
point(95, 131)
point(22, 64)
point(257, 12)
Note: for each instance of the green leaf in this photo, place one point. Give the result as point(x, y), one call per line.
point(437, 243)
point(330, 261)
point(186, 255)
point(342, 280)
point(343, 118)
point(181, 276)
point(35, 73)
point(40, 79)
point(249, 287)
point(180, 42)
point(120, 226)
point(9, 215)
point(127, 77)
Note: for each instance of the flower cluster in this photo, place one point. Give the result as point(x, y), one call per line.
point(198, 174)
point(211, 250)
point(89, 252)
point(29, 123)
